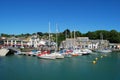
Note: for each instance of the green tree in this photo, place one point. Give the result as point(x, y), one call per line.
point(91, 35)
point(40, 33)
point(78, 33)
point(4, 35)
point(67, 33)
point(114, 36)
point(61, 37)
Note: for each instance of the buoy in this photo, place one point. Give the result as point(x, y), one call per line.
point(105, 55)
point(94, 62)
point(101, 56)
point(96, 58)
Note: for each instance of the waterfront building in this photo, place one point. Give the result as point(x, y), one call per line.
point(21, 42)
point(33, 41)
point(30, 42)
point(15, 42)
point(84, 42)
point(36, 42)
point(114, 46)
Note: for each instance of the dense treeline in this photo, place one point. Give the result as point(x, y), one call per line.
point(113, 36)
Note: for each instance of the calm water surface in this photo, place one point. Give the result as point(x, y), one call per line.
point(17, 67)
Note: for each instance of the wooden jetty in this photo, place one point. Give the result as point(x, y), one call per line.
point(3, 52)
point(27, 54)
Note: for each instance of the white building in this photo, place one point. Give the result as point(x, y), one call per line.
point(33, 41)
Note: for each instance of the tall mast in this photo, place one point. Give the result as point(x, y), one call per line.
point(66, 39)
point(101, 36)
point(56, 37)
point(101, 42)
point(74, 39)
point(71, 35)
point(49, 34)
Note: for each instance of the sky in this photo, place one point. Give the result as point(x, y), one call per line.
point(31, 16)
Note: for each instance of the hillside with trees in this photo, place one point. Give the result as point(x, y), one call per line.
point(113, 36)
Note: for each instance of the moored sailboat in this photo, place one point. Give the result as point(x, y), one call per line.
point(46, 55)
point(103, 49)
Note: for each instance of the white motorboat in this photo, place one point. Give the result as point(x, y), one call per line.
point(104, 50)
point(88, 50)
point(76, 53)
point(57, 55)
point(85, 51)
point(18, 53)
point(46, 56)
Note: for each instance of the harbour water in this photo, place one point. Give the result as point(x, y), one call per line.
point(18, 67)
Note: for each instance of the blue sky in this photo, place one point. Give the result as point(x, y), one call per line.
point(29, 16)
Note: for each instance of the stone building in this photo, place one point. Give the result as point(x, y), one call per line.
point(84, 42)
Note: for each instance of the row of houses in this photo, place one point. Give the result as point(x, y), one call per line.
point(79, 42)
point(32, 41)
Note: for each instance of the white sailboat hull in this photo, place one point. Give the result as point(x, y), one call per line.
point(47, 56)
point(57, 55)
